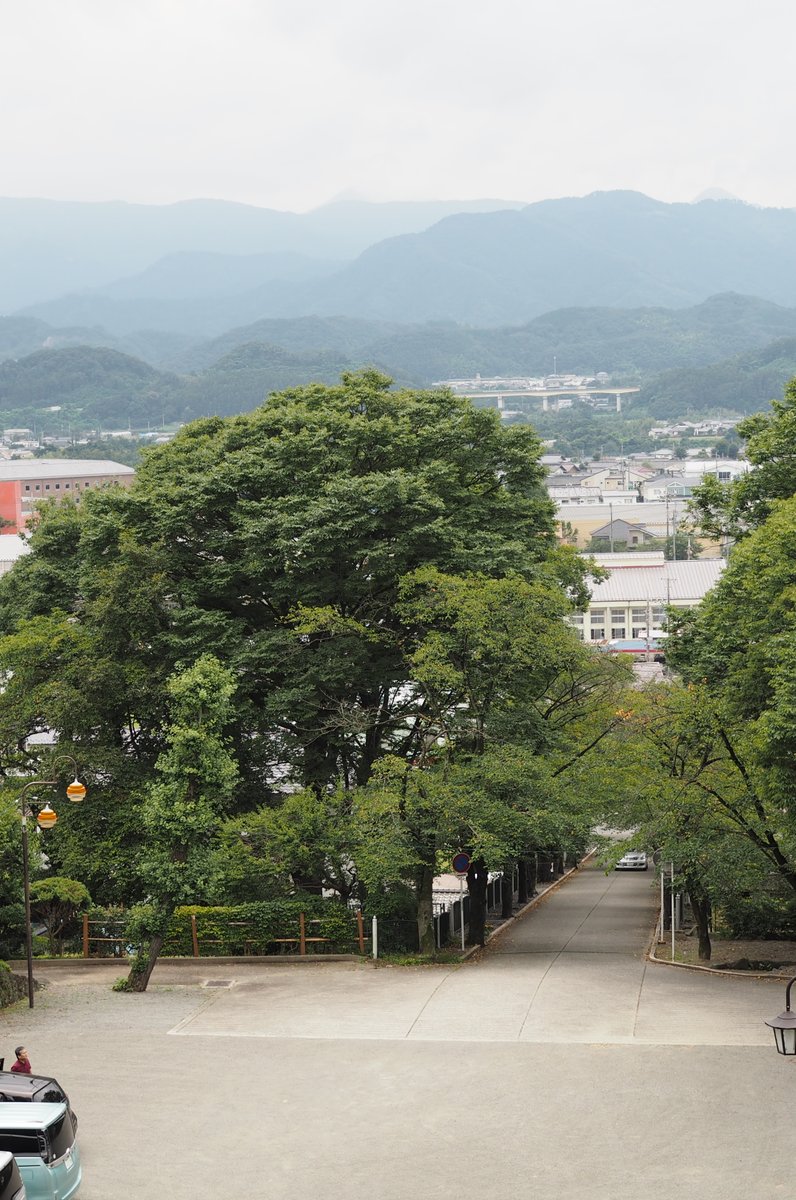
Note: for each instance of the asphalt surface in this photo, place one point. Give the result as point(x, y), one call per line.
point(561, 1064)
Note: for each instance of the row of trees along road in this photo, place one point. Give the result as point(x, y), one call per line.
point(706, 765)
point(334, 625)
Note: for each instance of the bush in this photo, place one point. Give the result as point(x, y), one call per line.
point(759, 915)
point(12, 987)
point(12, 930)
point(253, 928)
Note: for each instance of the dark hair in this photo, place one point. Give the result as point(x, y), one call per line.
point(18, 1050)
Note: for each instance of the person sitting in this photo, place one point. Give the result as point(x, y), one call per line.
point(22, 1064)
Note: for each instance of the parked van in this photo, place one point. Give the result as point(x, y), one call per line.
point(41, 1138)
point(11, 1185)
point(19, 1086)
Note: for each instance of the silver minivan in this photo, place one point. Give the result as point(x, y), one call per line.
point(41, 1138)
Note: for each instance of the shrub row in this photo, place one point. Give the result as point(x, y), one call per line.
point(255, 928)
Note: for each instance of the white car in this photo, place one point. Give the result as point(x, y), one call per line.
point(634, 860)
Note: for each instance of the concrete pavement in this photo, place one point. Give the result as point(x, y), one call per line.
point(560, 1064)
point(573, 970)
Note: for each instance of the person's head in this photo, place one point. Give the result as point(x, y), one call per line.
point(21, 1053)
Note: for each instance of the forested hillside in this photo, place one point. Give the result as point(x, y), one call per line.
point(685, 360)
point(88, 385)
point(745, 383)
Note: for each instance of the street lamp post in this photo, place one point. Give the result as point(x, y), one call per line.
point(784, 1025)
point(46, 819)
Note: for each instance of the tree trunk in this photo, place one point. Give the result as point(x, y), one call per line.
point(142, 966)
point(700, 907)
point(545, 867)
point(507, 890)
point(477, 879)
point(319, 765)
point(532, 867)
point(522, 885)
point(425, 910)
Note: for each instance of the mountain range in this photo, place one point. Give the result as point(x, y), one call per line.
point(731, 352)
point(49, 247)
point(487, 268)
point(205, 307)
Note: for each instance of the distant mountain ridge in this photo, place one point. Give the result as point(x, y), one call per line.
point(49, 247)
point(609, 249)
point(636, 342)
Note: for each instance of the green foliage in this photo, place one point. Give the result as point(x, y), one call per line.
point(56, 901)
point(687, 360)
point(95, 385)
point(582, 432)
point(242, 379)
point(197, 776)
point(252, 928)
point(760, 914)
point(736, 508)
point(347, 576)
point(303, 842)
point(276, 542)
point(744, 383)
point(12, 910)
point(12, 987)
point(125, 450)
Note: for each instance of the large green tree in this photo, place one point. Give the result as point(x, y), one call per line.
point(276, 541)
point(503, 697)
point(732, 510)
point(684, 775)
point(280, 543)
point(728, 733)
point(183, 806)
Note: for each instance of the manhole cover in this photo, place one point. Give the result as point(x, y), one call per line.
point(217, 983)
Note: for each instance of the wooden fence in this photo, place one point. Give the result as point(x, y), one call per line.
point(298, 941)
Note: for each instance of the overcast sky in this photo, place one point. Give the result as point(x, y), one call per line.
point(289, 103)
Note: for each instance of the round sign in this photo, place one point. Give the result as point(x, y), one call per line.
point(461, 863)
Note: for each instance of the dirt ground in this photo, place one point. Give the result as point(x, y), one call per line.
point(756, 956)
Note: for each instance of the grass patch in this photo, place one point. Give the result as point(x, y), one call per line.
point(421, 960)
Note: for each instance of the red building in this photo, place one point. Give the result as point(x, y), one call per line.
point(25, 481)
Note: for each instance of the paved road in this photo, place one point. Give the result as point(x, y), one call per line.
point(560, 1065)
point(573, 970)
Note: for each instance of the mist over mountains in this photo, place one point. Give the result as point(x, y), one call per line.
point(49, 247)
point(205, 307)
point(612, 249)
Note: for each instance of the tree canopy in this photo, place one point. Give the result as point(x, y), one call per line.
point(365, 564)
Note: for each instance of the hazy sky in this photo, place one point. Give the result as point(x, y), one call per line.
point(288, 103)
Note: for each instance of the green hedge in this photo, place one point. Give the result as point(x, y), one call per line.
point(254, 928)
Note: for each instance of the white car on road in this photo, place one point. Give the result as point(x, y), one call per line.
point(634, 860)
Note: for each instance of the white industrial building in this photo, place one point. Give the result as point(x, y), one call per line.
point(632, 601)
